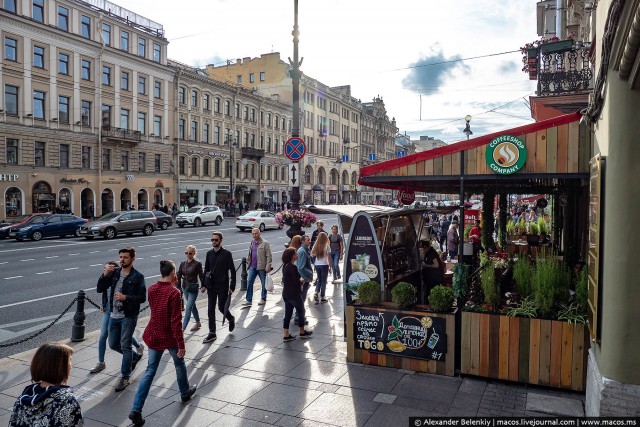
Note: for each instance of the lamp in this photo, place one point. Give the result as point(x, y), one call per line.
point(467, 129)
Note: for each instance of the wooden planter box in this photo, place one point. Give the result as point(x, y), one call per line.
point(534, 351)
point(367, 357)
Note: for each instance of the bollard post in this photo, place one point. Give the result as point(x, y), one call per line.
point(77, 330)
point(243, 275)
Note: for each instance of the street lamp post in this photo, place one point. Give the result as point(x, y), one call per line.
point(232, 143)
point(466, 131)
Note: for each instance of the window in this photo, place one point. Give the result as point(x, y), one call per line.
point(227, 107)
point(216, 105)
point(86, 157)
point(253, 140)
point(157, 163)
point(205, 133)
point(156, 52)
point(39, 153)
point(10, 49)
point(251, 78)
point(124, 80)
point(157, 87)
point(246, 139)
point(63, 63)
point(157, 125)
point(142, 122)
point(181, 95)
point(106, 115)
point(106, 159)
point(106, 34)
point(64, 155)
point(85, 27)
point(12, 151)
point(85, 113)
point(206, 102)
point(11, 100)
point(10, 6)
point(181, 165)
point(142, 85)
point(194, 131)
point(124, 160)
point(246, 112)
point(38, 104)
point(37, 12)
point(86, 69)
point(216, 135)
point(181, 125)
point(63, 18)
point(124, 118)
point(194, 166)
point(261, 76)
point(194, 98)
point(269, 120)
point(239, 79)
point(276, 122)
point(217, 167)
point(38, 57)
point(252, 116)
point(124, 40)
point(237, 111)
point(205, 167)
point(142, 158)
point(253, 171)
point(142, 47)
point(63, 109)
point(268, 172)
point(106, 75)
point(283, 174)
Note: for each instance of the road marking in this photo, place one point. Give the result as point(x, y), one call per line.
point(171, 253)
point(13, 277)
point(25, 260)
point(154, 256)
point(72, 268)
point(73, 254)
point(94, 265)
point(139, 259)
point(44, 298)
point(45, 272)
point(52, 256)
point(94, 252)
point(4, 262)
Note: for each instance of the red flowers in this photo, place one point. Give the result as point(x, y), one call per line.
point(392, 329)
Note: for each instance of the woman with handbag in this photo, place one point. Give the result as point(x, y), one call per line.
point(189, 273)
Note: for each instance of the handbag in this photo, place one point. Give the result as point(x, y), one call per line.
point(268, 283)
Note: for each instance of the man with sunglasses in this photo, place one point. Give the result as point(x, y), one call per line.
point(219, 282)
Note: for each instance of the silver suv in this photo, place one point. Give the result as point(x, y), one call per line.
point(200, 215)
point(125, 222)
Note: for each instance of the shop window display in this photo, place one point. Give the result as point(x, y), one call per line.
point(13, 202)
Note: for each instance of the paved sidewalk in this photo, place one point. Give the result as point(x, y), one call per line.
point(251, 378)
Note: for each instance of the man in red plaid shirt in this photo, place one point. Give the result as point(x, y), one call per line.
point(164, 332)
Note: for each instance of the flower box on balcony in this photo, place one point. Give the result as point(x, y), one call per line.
point(556, 46)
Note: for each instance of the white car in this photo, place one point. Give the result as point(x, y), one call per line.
point(257, 219)
point(199, 216)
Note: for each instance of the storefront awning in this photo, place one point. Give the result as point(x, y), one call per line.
point(558, 153)
point(347, 212)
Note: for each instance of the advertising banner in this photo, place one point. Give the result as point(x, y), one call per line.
point(363, 261)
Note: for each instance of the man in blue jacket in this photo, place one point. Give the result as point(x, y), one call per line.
point(126, 291)
point(304, 266)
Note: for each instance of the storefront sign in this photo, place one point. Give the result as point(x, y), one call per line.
point(223, 188)
point(506, 154)
point(470, 216)
point(363, 260)
point(406, 197)
point(400, 334)
point(73, 181)
point(159, 183)
point(12, 177)
point(111, 181)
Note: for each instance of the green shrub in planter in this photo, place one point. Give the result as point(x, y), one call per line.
point(511, 228)
point(403, 294)
point(523, 276)
point(582, 293)
point(369, 292)
point(551, 281)
point(467, 231)
point(490, 286)
point(441, 298)
point(542, 225)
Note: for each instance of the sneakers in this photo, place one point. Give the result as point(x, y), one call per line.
point(306, 334)
point(190, 393)
point(324, 299)
point(315, 296)
point(99, 367)
point(136, 359)
point(211, 337)
point(232, 324)
point(262, 302)
point(136, 418)
point(140, 350)
point(122, 384)
point(196, 327)
point(289, 338)
point(246, 304)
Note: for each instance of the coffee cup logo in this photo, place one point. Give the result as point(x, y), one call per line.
point(406, 197)
point(506, 154)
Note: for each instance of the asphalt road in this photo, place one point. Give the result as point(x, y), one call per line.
point(38, 280)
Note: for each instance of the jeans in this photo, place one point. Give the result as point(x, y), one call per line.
point(289, 305)
point(150, 373)
point(453, 254)
point(335, 264)
point(321, 284)
point(221, 296)
point(251, 278)
point(104, 334)
point(303, 295)
point(191, 298)
point(120, 335)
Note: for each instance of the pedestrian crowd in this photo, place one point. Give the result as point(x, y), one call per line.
point(49, 401)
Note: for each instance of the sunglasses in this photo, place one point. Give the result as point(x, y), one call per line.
point(215, 240)
point(189, 253)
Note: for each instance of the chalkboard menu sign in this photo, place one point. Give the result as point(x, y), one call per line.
point(397, 333)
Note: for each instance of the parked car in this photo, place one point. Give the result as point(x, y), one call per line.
point(199, 216)
point(58, 225)
point(164, 221)
point(257, 219)
point(18, 221)
point(122, 222)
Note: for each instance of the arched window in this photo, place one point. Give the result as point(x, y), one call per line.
point(13, 202)
point(283, 173)
point(334, 177)
point(354, 178)
point(307, 175)
point(253, 171)
point(268, 172)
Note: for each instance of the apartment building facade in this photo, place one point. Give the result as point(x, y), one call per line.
point(85, 108)
point(229, 141)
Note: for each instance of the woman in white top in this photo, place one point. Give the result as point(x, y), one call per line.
point(322, 252)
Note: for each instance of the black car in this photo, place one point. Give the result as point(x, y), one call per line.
point(164, 221)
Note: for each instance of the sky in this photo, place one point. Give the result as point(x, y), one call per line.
point(380, 48)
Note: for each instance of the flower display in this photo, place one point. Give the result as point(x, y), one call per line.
point(289, 217)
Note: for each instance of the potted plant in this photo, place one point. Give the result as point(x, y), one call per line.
point(441, 299)
point(511, 230)
point(533, 238)
point(404, 294)
point(369, 293)
point(295, 217)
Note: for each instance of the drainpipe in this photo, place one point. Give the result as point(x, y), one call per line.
point(98, 84)
point(561, 16)
point(176, 107)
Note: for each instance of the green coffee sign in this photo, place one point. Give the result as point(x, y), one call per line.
point(506, 154)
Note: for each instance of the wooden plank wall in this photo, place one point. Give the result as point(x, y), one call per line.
point(560, 149)
point(534, 351)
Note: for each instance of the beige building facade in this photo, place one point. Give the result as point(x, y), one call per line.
point(86, 103)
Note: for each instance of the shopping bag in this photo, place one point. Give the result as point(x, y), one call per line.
point(269, 283)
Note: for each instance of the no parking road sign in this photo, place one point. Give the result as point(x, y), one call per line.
point(295, 149)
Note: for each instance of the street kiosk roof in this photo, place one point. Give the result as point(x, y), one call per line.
point(558, 153)
point(347, 212)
